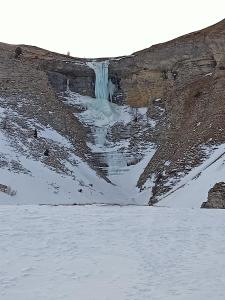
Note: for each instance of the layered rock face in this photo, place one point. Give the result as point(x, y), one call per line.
point(181, 82)
point(216, 197)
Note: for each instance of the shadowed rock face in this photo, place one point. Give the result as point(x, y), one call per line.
point(216, 197)
point(181, 82)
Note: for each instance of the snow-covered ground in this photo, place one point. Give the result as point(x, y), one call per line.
point(108, 253)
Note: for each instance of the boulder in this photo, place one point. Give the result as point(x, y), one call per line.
point(216, 197)
point(3, 188)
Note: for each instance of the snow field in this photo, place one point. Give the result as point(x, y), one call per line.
point(108, 253)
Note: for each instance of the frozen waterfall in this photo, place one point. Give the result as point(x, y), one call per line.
point(103, 88)
point(104, 116)
point(102, 111)
point(101, 80)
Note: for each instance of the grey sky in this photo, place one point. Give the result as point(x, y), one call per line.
point(96, 28)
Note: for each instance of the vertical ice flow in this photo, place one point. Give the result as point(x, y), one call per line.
point(101, 105)
point(104, 89)
point(101, 80)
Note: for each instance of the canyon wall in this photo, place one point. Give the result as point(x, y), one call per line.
point(181, 82)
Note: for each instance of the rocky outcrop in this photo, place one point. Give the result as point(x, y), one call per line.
point(3, 188)
point(216, 197)
point(7, 190)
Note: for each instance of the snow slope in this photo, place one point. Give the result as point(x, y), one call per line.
point(63, 177)
point(38, 183)
point(41, 184)
point(99, 253)
point(193, 189)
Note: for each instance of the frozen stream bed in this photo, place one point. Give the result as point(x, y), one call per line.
point(111, 253)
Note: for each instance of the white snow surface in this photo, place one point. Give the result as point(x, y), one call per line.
point(51, 134)
point(122, 253)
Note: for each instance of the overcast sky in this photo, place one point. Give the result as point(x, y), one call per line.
point(97, 28)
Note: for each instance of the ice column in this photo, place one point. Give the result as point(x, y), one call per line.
point(101, 81)
point(102, 88)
